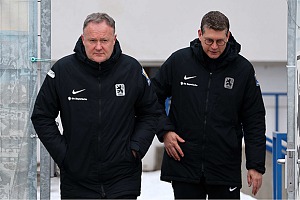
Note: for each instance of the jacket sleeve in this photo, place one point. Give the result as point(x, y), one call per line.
point(253, 121)
point(162, 84)
point(146, 116)
point(45, 112)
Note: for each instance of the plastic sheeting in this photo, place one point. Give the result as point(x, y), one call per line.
point(18, 42)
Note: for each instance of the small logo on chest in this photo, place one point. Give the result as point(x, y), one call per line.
point(228, 83)
point(120, 90)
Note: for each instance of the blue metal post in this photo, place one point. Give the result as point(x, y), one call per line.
point(278, 153)
point(276, 95)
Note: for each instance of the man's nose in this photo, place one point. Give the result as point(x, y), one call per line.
point(98, 45)
point(214, 45)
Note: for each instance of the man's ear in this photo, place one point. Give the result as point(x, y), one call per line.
point(199, 33)
point(82, 38)
point(115, 38)
point(228, 34)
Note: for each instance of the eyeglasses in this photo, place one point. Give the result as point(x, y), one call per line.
point(220, 42)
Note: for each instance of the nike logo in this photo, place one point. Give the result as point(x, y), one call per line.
point(232, 189)
point(78, 91)
point(188, 77)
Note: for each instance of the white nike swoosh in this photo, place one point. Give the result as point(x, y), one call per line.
point(76, 92)
point(232, 189)
point(188, 77)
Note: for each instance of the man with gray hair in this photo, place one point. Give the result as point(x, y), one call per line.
point(108, 113)
point(215, 102)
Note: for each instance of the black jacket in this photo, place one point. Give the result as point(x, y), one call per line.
point(214, 104)
point(106, 110)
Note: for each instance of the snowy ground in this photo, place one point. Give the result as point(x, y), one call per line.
point(152, 188)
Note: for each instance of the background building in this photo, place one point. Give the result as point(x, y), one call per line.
point(149, 30)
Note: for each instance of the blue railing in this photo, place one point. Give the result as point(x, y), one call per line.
point(277, 148)
point(276, 96)
point(279, 152)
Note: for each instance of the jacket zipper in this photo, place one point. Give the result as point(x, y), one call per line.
point(103, 194)
point(100, 138)
point(99, 133)
point(205, 121)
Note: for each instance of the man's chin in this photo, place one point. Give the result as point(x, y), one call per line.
point(99, 60)
point(213, 56)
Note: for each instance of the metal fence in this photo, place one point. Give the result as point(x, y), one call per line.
point(18, 42)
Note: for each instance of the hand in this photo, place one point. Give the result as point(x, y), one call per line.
point(254, 179)
point(172, 147)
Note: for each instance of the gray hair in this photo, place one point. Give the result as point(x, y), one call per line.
point(215, 20)
point(98, 18)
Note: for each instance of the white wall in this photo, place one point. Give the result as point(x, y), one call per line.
point(152, 29)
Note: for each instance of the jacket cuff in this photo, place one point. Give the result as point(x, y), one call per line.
point(258, 168)
point(160, 135)
point(136, 148)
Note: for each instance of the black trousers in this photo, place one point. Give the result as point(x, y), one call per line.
point(183, 190)
point(127, 197)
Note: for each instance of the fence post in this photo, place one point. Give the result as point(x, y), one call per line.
point(278, 153)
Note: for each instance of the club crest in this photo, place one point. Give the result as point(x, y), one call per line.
point(120, 90)
point(228, 84)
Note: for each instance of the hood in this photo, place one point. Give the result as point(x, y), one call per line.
point(231, 51)
point(81, 55)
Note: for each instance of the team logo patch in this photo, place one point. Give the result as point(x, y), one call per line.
point(256, 81)
point(228, 84)
point(120, 90)
point(146, 76)
point(51, 73)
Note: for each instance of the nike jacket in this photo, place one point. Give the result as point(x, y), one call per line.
point(215, 103)
point(106, 110)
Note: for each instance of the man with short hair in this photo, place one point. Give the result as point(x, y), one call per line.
point(216, 101)
point(108, 113)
